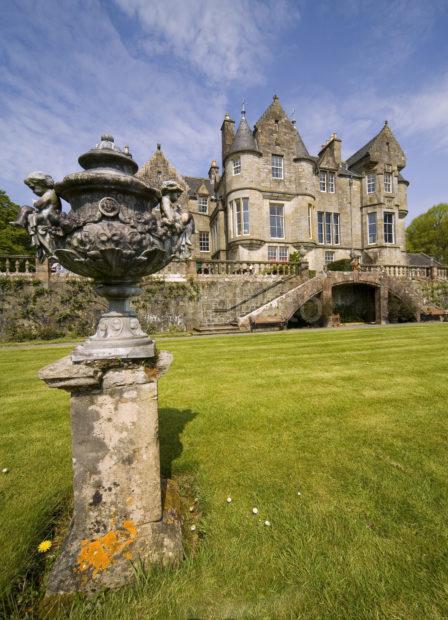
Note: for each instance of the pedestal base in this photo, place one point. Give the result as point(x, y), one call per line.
point(118, 521)
point(114, 559)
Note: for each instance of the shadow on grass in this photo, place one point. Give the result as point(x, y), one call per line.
point(172, 423)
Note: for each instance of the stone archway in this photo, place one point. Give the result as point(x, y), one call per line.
point(285, 306)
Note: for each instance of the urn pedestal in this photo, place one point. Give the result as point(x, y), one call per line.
point(120, 519)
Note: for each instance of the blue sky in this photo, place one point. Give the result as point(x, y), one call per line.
point(166, 71)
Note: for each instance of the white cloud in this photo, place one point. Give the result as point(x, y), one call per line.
point(224, 40)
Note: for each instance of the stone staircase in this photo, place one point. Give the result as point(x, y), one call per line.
point(227, 318)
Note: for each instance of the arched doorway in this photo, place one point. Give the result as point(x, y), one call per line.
point(354, 302)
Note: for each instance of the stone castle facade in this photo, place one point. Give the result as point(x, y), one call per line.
point(273, 198)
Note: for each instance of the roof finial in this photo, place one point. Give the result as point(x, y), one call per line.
point(293, 117)
point(275, 97)
point(243, 109)
point(159, 146)
point(386, 122)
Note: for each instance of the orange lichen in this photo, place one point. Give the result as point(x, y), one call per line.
point(100, 553)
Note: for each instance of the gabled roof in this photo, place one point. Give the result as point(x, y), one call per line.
point(275, 110)
point(158, 169)
point(244, 139)
point(374, 147)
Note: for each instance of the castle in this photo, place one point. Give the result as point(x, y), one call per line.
point(273, 198)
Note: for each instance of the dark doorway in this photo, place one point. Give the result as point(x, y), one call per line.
point(355, 303)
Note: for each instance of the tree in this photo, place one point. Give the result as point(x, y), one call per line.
point(428, 233)
point(13, 240)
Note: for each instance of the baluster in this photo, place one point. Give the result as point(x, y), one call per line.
point(27, 266)
point(17, 266)
point(7, 266)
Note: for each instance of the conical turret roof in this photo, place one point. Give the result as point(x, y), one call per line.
point(244, 139)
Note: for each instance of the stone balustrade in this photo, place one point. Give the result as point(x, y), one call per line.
point(17, 265)
point(409, 271)
point(21, 265)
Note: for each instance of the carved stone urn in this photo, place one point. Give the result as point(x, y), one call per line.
point(115, 235)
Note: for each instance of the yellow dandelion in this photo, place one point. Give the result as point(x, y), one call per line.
point(44, 546)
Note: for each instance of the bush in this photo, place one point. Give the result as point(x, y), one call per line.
point(343, 264)
point(401, 311)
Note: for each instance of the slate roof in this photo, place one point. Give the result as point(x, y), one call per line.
point(422, 260)
point(301, 150)
point(194, 183)
point(345, 172)
point(244, 139)
point(363, 151)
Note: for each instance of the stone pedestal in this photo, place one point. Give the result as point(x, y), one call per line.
point(118, 520)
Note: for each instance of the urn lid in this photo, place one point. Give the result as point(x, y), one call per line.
point(107, 157)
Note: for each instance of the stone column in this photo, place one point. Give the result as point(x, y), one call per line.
point(382, 304)
point(327, 300)
point(117, 519)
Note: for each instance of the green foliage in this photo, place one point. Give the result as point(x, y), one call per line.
point(401, 311)
point(366, 538)
point(342, 264)
point(428, 233)
point(13, 240)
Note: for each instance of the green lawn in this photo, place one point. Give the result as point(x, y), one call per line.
point(356, 421)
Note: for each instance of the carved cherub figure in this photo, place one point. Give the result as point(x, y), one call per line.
point(169, 206)
point(179, 220)
point(45, 213)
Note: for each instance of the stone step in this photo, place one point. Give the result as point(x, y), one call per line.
point(216, 328)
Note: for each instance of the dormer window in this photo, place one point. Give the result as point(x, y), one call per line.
point(236, 166)
point(277, 166)
point(388, 182)
point(202, 204)
point(371, 183)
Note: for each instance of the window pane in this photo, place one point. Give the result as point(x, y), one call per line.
point(331, 182)
point(272, 252)
point(204, 242)
point(372, 227)
point(328, 228)
point(320, 226)
point(276, 221)
point(336, 229)
point(371, 183)
point(389, 228)
point(237, 166)
point(387, 182)
point(202, 204)
point(238, 216)
point(329, 257)
point(323, 181)
point(245, 216)
point(310, 221)
point(277, 166)
point(283, 254)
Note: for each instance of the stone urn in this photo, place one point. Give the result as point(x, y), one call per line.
point(114, 233)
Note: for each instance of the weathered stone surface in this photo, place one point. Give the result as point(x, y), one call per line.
point(68, 376)
point(117, 516)
point(109, 560)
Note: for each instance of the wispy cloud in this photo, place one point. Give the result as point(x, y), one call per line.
point(225, 41)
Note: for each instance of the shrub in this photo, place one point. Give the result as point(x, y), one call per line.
point(343, 264)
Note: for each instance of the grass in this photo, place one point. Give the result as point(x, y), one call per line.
point(354, 420)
